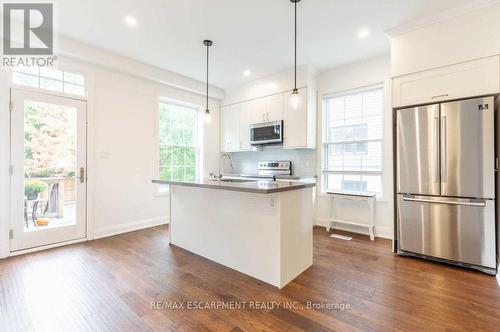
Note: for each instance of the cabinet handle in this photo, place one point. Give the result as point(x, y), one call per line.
point(440, 96)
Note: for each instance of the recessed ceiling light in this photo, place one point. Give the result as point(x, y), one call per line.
point(247, 73)
point(363, 33)
point(130, 21)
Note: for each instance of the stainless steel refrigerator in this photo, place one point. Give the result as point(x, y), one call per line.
point(446, 182)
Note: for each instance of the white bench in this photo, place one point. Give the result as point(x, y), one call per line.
point(365, 197)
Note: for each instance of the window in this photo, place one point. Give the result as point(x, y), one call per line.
point(179, 142)
point(352, 142)
point(49, 79)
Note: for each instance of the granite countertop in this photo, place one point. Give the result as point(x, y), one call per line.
point(251, 186)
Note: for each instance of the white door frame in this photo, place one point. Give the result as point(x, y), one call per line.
point(58, 236)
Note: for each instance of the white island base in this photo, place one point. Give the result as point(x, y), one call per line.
point(266, 236)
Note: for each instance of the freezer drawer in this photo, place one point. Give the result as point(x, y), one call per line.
point(418, 150)
point(460, 230)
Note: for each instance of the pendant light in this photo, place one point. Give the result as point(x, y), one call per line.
point(295, 102)
point(207, 43)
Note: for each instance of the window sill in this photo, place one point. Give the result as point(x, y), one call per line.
point(378, 199)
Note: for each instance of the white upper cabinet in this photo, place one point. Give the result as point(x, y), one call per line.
point(230, 122)
point(274, 108)
point(244, 121)
point(256, 109)
point(300, 124)
point(265, 109)
point(463, 80)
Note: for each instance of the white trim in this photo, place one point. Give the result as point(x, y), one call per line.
point(343, 93)
point(4, 165)
point(498, 273)
point(440, 17)
point(380, 231)
point(380, 85)
point(49, 246)
point(200, 131)
point(107, 231)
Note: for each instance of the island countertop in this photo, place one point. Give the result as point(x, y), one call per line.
point(258, 187)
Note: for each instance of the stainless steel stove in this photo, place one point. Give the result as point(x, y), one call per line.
point(275, 168)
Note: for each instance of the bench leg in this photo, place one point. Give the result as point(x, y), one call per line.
point(372, 235)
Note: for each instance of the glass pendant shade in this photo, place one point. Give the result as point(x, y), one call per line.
point(295, 100)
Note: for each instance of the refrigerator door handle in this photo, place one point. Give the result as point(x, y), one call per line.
point(423, 200)
point(436, 155)
point(444, 159)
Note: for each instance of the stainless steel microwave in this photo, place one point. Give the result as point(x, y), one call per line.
point(266, 133)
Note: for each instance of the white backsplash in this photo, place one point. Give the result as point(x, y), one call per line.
point(304, 161)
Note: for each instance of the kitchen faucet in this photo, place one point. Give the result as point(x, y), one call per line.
point(228, 156)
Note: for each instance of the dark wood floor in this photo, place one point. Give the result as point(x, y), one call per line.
point(110, 284)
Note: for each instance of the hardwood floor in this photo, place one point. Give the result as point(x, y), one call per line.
point(110, 285)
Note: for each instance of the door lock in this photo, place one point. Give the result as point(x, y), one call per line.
point(82, 175)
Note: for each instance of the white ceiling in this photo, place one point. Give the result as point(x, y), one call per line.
point(247, 34)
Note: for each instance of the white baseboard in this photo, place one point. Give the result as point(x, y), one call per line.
point(106, 231)
point(380, 231)
point(498, 272)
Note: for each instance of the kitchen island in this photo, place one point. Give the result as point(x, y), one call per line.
point(260, 228)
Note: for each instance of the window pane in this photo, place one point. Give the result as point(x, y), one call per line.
point(51, 73)
point(74, 78)
point(178, 128)
point(49, 79)
point(165, 156)
point(74, 89)
point(177, 157)
point(27, 70)
point(178, 174)
point(190, 173)
point(354, 132)
point(26, 80)
point(52, 85)
point(190, 157)
point(166, 173)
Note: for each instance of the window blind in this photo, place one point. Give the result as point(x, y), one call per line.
point(352, 142)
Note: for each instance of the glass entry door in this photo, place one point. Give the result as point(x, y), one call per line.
point(48, 178)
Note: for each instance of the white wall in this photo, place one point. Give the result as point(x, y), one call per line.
point(122, 114)
point(461, 38)
point(269, 85)
point(354, 76)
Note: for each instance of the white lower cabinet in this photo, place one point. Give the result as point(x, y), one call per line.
point(463, 80)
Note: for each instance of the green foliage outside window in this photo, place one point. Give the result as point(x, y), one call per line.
point(179, 149)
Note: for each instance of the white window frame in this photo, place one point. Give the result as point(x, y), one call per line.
point(162, 190)
point(382, 196)
point(86, 84)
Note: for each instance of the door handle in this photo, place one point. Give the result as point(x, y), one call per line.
point(423, 200)
point(444, 151)
point(82, 175)
point(436, 154)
